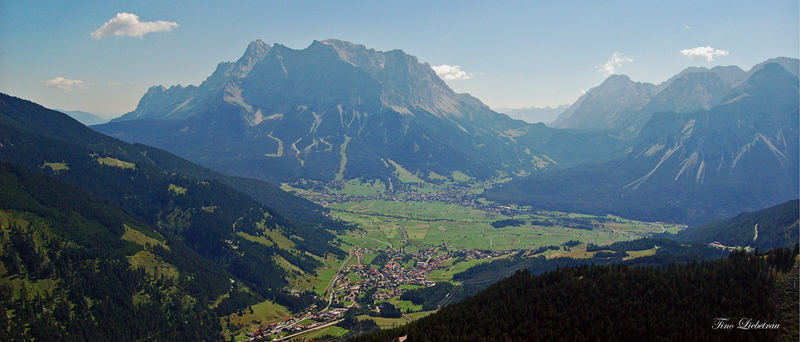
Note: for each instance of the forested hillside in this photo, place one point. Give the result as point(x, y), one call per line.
point(666, 252)
point(263, 251)
point(769, 228)
point(75, 268)
point(617, 302)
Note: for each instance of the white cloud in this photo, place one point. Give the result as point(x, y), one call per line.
point(688, 27)
point(451, 72)
point(65, 83)
point(128, 24)
point(704, 52)
point(617, 60)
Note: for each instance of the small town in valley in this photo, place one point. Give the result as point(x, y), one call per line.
point(386, 276)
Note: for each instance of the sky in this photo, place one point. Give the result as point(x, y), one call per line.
point(101, 56)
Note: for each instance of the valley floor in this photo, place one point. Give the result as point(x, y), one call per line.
point(422, 236)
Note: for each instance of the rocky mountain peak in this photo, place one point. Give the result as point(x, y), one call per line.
point(256, 49)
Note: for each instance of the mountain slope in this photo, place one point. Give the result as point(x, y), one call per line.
point(693, 167)
point(217, 222)
point(332, 110)
point(31, 119)
point(765, 229)
point(77, 268)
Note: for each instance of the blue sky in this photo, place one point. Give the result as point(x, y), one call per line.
point(515, 54)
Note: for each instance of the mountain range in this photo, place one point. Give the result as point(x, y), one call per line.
point(533, 114)
point(339, 110)
point(623, 106)
point(705, 144)
point(740, 155)
point(85, 118)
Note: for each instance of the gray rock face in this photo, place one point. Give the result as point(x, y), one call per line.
point(613, 105)
point(622, 106)
point(334, 109)
point(739, 155)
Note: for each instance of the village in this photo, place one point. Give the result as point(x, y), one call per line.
point(381, 280)
point(457, 194)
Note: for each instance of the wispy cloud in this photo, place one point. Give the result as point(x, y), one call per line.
point(688, 27)
point(65, 83)
point(704, 52)
point(451, 72)
point(617, 60)
point(113, 84)
point(128, 24)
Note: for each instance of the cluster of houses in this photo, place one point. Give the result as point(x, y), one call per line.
point(480, 254)
point(295, 324)
point(402, 267)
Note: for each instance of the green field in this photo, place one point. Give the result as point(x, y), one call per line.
point(405, 305)
point(325, 275)
point(176, 190)
point(459, 176)
point(446, 274)
point(116, 162)
point(263, 314)
point(56, 166)
point(427, 224)
point(438, 211)
point(355, 187)
point(332, 331)
point(404, 175)
point(385, 323)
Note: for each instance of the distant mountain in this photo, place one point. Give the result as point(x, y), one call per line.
point(740, 155)
point(686, 93)
point(623, 106)
point(85, 118)
point(333, 110)
point(769, 228)
point(533, 114)
point(792, 65)
point(730, 74)
point(613, 105)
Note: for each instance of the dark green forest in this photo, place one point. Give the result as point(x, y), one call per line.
point(777, 227)
point(68, 244)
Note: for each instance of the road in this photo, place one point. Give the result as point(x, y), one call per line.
point(449, 297)
point(755, 236)
point(405, 233)
point(335, 277)
point(374, 239)
point(309, 330)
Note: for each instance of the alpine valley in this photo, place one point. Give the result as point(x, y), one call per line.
point(342, 193)
point(705, 144)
